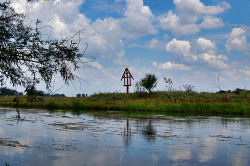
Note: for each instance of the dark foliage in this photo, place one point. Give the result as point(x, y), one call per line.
point(27, 57)
point(9, 92)
point(82, 95)
point(237, 91)
point(149, 82)
point(188, 88)
point(54, 95)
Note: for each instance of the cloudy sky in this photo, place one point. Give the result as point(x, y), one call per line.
point(190, 41)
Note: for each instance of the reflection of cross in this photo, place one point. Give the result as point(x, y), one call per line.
point(127, 78)
point(127, 134)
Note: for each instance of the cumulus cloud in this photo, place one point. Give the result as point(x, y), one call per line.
point(205, 48)
point(105, 35)
point(211, 22)
point(171, 66)
point(181, 48)
point(138, 19)
point(173, 22)
point(195, 7)
point(104, 39)
point(214, 61)
point(205, 45)
point(189, 13)
point(236, 40)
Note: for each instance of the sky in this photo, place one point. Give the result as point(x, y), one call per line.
point(193, 42)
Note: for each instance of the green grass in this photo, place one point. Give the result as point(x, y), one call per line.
point(176, 102)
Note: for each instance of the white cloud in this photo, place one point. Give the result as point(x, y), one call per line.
point(173, 22)
point(195, 7)
point(189, 14)
point(207, 50)
point(138, 20)
point(180, 47)
point(153, 43)
point(237, 40)
point(104, 39)
point(171, 66)
point(211, 22)
point(214, 61)
point(206, 46)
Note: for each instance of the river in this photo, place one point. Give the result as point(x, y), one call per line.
point(58, 138)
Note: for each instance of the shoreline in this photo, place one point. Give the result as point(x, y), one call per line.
point(177, 103)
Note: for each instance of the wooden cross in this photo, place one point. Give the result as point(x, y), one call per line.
point(127, 78)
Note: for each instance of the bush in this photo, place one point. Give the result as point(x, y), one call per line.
point(149, 82)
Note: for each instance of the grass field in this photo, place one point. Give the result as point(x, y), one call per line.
point(171, 102)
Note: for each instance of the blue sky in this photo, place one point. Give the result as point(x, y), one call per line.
point(189, 41)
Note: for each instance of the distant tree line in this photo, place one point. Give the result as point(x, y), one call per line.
point(9, 92)
point(236, 91)
point(55, 95)
point(82, 95)
point(41, 93)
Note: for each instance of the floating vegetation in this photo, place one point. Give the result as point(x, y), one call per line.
point(70, 126)
point(224, 138)
point(11, 143)
point(63, 147)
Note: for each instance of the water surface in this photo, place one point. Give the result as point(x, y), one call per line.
point(61, 138)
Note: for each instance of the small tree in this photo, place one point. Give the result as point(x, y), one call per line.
point(169, 83)
point(188, 88)
point(149, 82)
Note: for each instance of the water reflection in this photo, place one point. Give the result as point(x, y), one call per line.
point(208, 151)
point(148, 131)
point(61, 138)
point(127, 134)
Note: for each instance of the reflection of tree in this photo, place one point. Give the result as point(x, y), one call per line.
point(148, 131)
point(224, 122)
point(127, 134)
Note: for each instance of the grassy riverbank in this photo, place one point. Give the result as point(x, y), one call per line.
point(171, 102)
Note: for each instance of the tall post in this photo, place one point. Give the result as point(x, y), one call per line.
point(127, 82)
